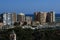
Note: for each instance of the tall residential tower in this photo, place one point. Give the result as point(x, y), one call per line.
point(9, 18)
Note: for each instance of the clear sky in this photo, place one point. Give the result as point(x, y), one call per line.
point(29, 6)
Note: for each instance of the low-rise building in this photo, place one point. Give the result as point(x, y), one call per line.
point(28, 19)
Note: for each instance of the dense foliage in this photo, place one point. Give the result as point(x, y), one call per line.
point(29, 34)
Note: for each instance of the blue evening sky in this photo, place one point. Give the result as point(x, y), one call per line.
point(29, 6)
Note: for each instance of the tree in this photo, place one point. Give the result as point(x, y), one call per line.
point(16, 23)
point(25, 23)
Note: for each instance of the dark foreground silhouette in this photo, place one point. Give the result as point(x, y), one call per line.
point(29, 34)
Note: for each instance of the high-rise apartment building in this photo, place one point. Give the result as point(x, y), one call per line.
point(50, 17)
point(9, 18)
point(36, 16)
point(41, 17)
point(21, 17)
point(14, 18)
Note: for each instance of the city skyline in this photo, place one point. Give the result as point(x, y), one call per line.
point(29, 6)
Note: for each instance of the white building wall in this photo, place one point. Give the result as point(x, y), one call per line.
point(53, 16)
point(7, 18)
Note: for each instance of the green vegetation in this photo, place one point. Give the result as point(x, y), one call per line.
point(29, 34)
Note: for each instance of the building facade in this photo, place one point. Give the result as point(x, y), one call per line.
point(14, 18)
point(50, 17)
point(28, 19)
point(9, 18)
point(21, 18)
point(36, 16)
point(41, 17)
